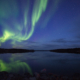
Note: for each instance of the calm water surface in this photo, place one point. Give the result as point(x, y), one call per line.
point(58, 63)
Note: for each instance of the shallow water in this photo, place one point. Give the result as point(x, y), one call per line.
point(58, 63)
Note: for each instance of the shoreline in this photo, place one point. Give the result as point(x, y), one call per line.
point(69, 50)
point(42, 75)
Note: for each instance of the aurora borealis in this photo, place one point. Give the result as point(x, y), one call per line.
point(15, 19)
point(39, 25)
point(35, 24)
point(10, 9)
point(15, 67)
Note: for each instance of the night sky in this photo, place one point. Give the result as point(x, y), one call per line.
point(39, 24)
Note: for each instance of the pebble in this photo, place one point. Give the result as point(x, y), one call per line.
point(37, 76)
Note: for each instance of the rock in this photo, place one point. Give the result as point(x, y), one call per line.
point(32, 78)
point(37, 75)
point(43, 71)
point(27, 75)
point(4, 75)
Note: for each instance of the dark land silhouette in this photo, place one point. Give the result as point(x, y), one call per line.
point(69, 50)
point(2, 50)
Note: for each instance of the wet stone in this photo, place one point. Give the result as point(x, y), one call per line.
point(37, 76)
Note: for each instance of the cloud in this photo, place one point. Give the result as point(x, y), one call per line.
point(56, 44)
point(65, 41)
point(59, 40)
point(62, 43)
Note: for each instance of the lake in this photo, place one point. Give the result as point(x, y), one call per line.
point(57, 63)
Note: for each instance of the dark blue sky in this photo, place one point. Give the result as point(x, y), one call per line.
point(38, 24)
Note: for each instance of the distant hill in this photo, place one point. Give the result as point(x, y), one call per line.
point(69, 50)
point(2, 50)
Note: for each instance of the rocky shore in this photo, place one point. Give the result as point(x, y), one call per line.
point(42, 75)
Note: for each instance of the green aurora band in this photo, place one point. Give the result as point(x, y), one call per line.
point(12, 27)
point(14, 66)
